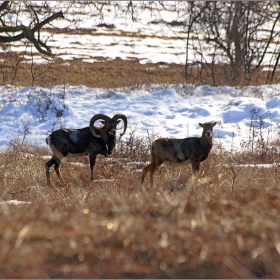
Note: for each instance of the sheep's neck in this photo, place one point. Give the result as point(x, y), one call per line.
point(206, 142)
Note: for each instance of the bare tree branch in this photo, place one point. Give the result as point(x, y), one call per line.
point(28, 33)
point(4, 5)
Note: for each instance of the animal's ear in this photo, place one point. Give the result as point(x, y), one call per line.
point(214, 123)
point(200, 124)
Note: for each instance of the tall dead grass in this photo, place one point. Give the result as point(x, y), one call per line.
point(222, 224)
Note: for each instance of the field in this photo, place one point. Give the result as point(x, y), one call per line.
point(224, 223)
point(108, 74)
point(221, 223)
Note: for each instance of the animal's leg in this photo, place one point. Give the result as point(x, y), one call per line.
point(56, 168)
point(195, 165)
point(152, 167)
point(48, 164)
point(92, 159)
point(152, 173)
point(144, 172)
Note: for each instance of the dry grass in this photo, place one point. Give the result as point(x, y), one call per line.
point(222, 224)
point(100, 74)
point(117, 73)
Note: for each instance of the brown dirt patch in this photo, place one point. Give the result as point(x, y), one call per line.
point(101, 74)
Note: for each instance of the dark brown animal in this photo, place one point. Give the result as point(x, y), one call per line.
point(89, 141)
point(195, 149)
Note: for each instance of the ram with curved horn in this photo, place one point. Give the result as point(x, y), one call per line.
point(91, 141)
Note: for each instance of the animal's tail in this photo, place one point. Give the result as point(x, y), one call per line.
point(48, 140)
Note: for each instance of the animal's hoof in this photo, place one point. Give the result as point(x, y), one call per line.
point(49, 184)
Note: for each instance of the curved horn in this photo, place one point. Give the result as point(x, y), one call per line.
point(93, 120)
point(124, 119)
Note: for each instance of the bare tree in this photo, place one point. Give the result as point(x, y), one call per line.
point(241, 33)
point(234, 40)
point(230, 39)
point(40, 15)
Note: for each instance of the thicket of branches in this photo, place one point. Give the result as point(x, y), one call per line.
point(235, 39)
point(240, 37)
point(239, 34)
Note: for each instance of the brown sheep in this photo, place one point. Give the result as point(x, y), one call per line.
point(195, 149)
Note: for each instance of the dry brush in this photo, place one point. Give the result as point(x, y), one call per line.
point(223, 224)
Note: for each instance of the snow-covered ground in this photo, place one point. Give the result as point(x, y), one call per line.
point(29, 114)
point(150, 38)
